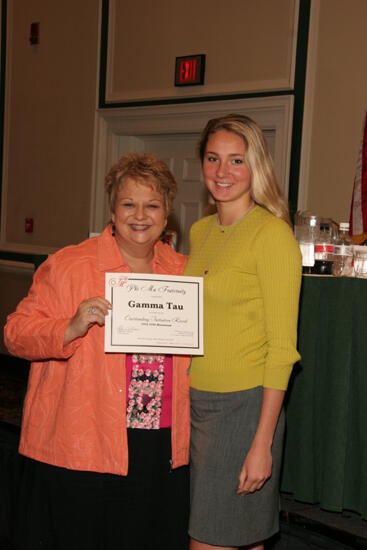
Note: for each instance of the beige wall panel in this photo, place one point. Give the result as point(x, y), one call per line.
point(340, 100)
point(50, 120)
point(248, 44)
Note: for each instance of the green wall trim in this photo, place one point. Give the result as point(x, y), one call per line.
point(3, 8)
point(299, 98)
point(103, 104)
point(103, 54)
point(180, 100)
point(26, 257)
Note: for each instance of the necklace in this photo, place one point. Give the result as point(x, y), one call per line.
point(225, 241)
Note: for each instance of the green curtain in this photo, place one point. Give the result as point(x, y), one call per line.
point(325, 455)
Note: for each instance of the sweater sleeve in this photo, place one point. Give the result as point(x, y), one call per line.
point(35, 331)
point(279, 269)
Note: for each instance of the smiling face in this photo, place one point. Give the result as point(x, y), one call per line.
point(140, 215)
point(226, 173)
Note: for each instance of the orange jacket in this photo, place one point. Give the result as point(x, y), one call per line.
point(75, 408)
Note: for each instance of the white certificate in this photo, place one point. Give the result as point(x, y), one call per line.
point(154, 314)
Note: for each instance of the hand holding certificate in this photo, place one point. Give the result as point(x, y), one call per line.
point(154, 314)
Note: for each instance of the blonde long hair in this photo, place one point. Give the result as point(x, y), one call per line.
point(264, 187)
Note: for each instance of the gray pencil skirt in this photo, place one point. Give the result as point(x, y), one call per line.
point(222, 429)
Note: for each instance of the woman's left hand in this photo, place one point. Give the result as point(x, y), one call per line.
point(256, 469)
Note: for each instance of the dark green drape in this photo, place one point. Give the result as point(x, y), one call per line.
point(325, 458)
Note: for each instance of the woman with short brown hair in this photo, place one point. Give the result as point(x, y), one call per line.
point(106, 434)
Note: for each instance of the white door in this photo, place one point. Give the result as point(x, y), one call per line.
point(179, 153)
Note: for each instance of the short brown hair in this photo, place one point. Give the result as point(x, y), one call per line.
point(143, 168)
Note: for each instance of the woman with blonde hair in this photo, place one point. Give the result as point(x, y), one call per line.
point(251, 266)
point(106, 435)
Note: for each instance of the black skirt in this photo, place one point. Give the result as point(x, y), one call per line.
point(61, 509)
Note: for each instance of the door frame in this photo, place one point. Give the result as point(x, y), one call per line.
point(271, 113)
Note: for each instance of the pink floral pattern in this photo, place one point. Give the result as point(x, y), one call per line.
point(145, 392)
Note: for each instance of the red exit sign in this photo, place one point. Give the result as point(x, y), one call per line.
point(189, 70)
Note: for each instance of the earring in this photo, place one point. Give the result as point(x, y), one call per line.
point(113, 229)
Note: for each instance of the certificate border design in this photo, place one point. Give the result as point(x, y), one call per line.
point(149, 279)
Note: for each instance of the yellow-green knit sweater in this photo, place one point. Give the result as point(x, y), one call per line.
point(251, 294)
